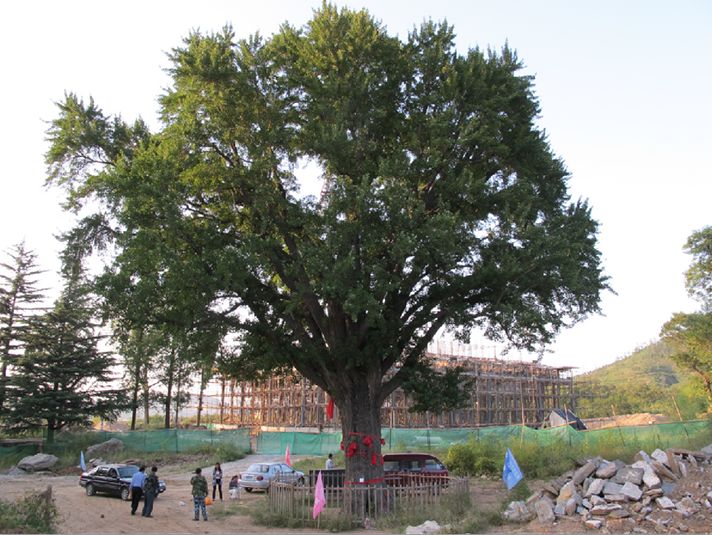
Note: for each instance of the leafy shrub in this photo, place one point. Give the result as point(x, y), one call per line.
point(35, 513)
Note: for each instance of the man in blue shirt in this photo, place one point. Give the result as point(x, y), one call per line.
point(137, 488)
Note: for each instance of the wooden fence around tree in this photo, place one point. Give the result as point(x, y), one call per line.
point(356, 503)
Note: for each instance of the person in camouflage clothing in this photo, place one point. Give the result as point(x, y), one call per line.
point(150, 491)
point(200, 491)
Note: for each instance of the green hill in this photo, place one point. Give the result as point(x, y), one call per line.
point(645, 381)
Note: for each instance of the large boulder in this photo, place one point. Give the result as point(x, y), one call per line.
point(35, 463)
point(105, 449)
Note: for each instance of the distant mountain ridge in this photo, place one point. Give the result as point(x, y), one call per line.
point(651, 363)
point(645, 381)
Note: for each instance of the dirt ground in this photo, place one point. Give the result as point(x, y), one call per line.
point(172, 511)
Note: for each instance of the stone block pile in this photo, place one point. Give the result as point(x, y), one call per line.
point(657, 493)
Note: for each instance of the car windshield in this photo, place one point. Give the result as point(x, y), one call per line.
point(261, 468)
point(127, 471)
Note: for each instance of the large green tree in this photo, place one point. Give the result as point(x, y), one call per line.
point(690, 335)
point(444, 206)
point(20, 299)
point(62, 379)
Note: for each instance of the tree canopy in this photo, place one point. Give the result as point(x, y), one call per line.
point(20, 300)
point(443, 205)
point(691, 334)
point(62, 379)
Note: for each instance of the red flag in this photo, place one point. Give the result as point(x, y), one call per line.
point(319, 498)
point(330, 409)
point(287, 459)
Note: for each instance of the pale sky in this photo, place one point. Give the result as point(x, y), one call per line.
point(624, 88)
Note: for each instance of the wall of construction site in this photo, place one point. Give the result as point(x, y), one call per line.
point(502, 392)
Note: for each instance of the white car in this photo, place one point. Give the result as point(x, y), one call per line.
point(260, 475)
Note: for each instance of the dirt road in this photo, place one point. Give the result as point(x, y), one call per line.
point(172, 513)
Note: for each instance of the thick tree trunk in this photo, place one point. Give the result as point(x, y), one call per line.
point(361, 427)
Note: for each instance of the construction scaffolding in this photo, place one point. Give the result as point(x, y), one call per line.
point(502, 392)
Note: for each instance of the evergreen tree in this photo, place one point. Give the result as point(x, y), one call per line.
point(19, 301)
point(62, 379)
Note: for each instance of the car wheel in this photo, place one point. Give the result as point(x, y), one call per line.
point(300, 482)
point(90, 489)
point(125, 494)
point(248, 489)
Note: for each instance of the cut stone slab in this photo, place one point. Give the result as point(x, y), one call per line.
point(603, 510)
point(642, 456)
point(683, 468)
point(672, 463)
point(632, 491)
point(663, 471)
point(595, 488)
point(570, 506)
point(659, 456)
point(612, 488)
point(566, 492)
point(593, 524)
point(665, 503)
point(629, 474)
point(606, 470)
point(518, 512)
point(619, 513)
point(650, 479)
point(616, 498)
point(583, 472)
point(707, 450)
point(544, 509)
point(37, 462)
point(597, 500)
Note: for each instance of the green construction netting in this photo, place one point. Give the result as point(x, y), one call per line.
point(168, 440)
point(649, 436)
point(301, 443)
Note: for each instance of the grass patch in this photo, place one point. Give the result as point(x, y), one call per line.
point(449, 511)
point(36, 512)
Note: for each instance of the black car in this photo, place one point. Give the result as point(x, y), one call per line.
point(112, 479)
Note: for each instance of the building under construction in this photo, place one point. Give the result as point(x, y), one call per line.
point(502, 392)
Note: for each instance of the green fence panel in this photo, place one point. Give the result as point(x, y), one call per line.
point(275, 443)
point(162, 440)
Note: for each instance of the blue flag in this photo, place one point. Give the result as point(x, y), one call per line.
point(511, 473)
point(82, 464)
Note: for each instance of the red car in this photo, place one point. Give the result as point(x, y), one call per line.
point(413, 469)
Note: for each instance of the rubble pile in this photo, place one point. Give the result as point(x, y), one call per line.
point(666, 491)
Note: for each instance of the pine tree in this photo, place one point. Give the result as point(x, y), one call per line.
point(62, 379)
point(19, 300)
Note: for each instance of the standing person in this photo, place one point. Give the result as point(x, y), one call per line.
point(217, 480)
point(150, 491)
point(137, 488)
point(200, 491)
point(330, 462)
